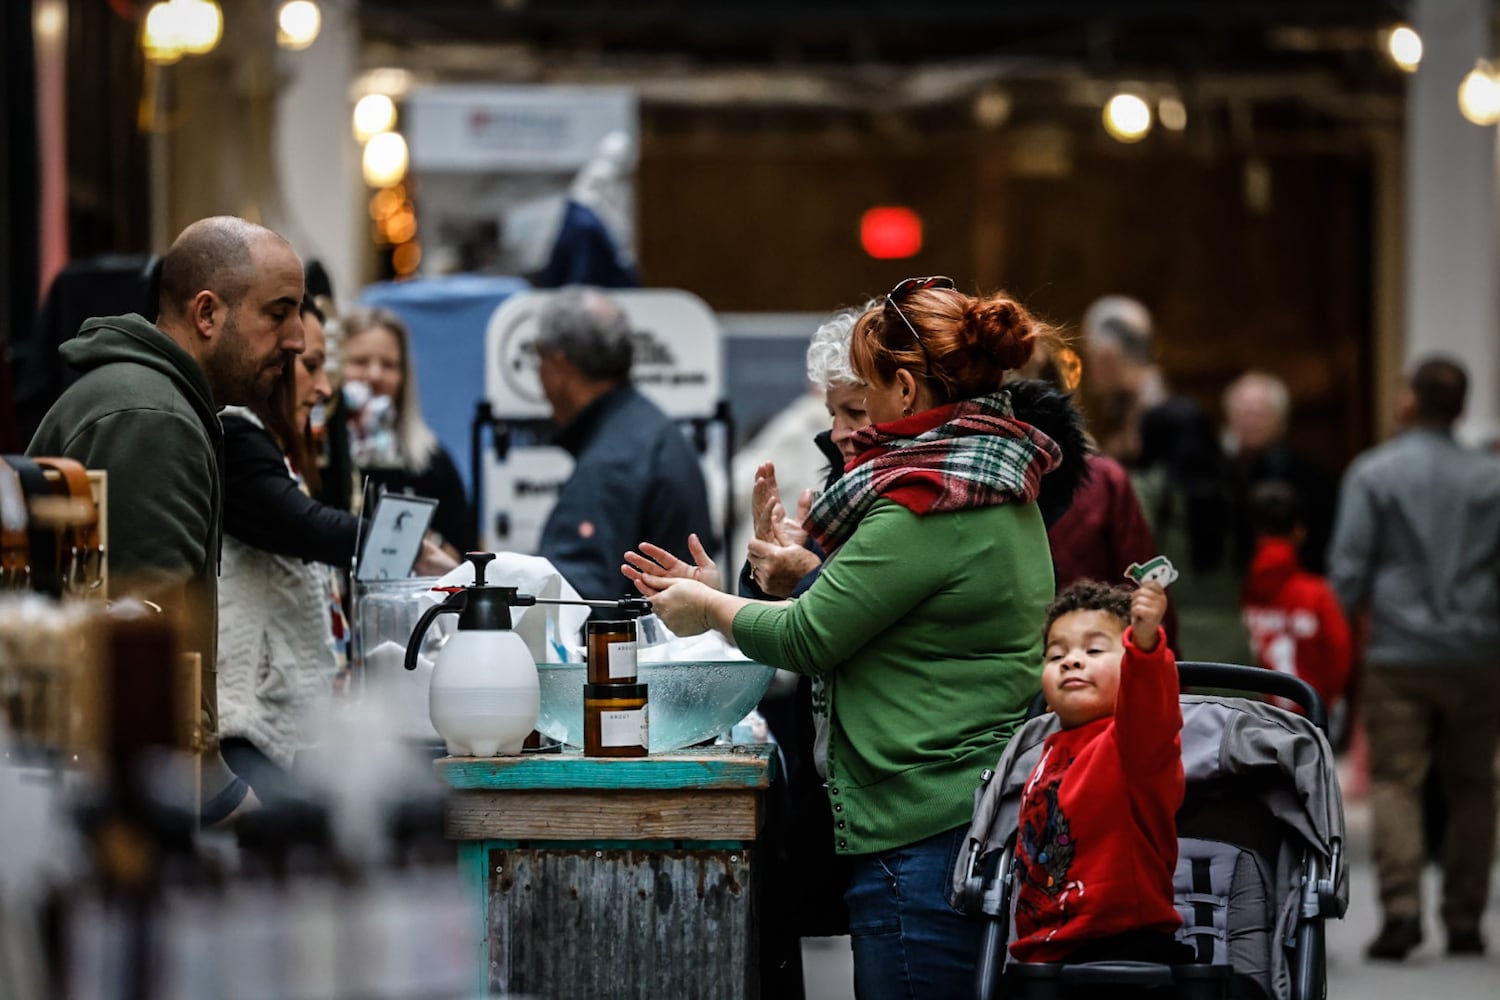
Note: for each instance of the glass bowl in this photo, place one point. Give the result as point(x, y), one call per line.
point(688, 702)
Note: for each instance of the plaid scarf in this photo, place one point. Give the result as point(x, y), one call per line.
point(955, 457)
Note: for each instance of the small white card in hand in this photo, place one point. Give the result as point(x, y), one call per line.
point(1158, 569)
point(393, 538)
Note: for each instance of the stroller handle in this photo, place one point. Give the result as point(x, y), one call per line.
point(1257, 680)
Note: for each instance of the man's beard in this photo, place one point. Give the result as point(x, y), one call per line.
point(239, 373)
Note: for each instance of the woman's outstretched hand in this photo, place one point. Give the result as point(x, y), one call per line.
point(655, 562)
point(681, 604)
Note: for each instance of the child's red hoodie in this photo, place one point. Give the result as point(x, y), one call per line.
point(1097, 844)
point(1294, 620)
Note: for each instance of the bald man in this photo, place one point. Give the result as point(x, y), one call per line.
point(146, 411)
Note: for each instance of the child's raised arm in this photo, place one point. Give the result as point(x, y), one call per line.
point(1147, 608)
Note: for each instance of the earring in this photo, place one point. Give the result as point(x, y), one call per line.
point(906, 411)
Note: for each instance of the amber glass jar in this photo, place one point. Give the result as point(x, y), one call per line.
point(611, 652)
point(615, 720)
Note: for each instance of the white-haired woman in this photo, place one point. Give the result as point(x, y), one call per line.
point(391, 443)
point(780, 558)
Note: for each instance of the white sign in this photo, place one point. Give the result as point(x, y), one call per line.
point(678, 353)
point(521, 491)
point(467, 129)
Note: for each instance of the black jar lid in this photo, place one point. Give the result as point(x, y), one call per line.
point(613, 692)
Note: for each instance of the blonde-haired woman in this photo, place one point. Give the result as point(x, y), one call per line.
point(390, 443)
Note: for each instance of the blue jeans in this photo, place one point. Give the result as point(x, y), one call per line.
point(909, 943)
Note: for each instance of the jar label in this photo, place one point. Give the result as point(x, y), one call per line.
point(624, 729)
point(622, 664)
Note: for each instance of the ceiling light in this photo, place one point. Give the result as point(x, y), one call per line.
point(1479, 95)
point(1405, 47)
point(385, 159)
point(297, 24)
point(374, 114)
point(1127, 118)
point(162, 36)
point(202, 25)
point(1172, 113)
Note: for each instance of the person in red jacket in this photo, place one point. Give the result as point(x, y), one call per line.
point(1097, 843)
point(1294, 619)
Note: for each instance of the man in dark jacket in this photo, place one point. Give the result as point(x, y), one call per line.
point(145, 411)
point(635, 478)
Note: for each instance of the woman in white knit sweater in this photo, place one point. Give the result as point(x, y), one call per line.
point(277, 656)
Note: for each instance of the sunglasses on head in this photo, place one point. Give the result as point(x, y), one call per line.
point(914, 285)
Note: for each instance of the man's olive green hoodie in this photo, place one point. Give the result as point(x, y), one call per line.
point(143, 411)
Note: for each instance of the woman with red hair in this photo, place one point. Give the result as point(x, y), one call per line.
point(924, 621)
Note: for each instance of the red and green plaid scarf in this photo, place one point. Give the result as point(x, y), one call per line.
point(955, 457)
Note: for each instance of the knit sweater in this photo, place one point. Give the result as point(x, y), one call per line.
point(1097, 840)
point(276, 652)
point(926, 631)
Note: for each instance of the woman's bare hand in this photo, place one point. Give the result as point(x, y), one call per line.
point(777, 569)
point(681, 603)
point(655, 562)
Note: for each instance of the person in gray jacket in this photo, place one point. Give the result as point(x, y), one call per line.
point(1417, 546)
point(635, 475)
point(146, 411)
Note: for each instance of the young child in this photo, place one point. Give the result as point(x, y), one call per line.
point(1098, 832)
point(1294, 620)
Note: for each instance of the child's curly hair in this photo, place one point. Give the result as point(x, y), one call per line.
point(1089, 595)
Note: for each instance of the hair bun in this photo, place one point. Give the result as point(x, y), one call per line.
point(1000, 328)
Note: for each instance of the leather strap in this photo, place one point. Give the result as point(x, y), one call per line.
point(83, 562)
point(15, 550)
point(44, 542)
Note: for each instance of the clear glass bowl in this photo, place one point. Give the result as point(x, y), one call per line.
point(688, 702)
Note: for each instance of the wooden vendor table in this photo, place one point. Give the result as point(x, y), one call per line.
point(614, 877)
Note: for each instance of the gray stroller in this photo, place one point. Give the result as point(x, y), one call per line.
point(1260, 852)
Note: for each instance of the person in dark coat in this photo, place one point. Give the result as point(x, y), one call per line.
point(1257, 409)
point(635, 474)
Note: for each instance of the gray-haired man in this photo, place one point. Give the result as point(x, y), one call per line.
point(635, 478)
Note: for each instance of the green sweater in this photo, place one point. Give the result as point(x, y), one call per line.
point(927, 631)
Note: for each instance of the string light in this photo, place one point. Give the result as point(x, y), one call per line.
point(1479, 95)
point(373, 114)
point(385, 159)
point(1127, 118)
point(1405, 48)
point(1172, 113)
point(174, 28)
point(297, 24)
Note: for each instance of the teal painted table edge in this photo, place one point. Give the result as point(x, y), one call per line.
point(739, 766)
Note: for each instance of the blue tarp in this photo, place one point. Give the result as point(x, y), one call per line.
point(447, 317)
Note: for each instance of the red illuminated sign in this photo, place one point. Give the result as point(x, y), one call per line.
point(891, 232)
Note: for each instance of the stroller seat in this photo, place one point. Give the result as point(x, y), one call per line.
point(1259, 865)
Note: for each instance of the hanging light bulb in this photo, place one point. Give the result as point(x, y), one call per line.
point(1127, 118)
point(162, 36)
point(1172, 113)
point(202, 25)
point(1479, 95)
point(297, 24)
point(385, 159)
point(1405, 47)
point(373, 114)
